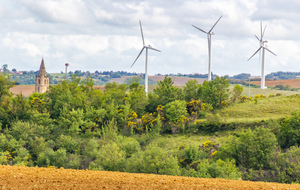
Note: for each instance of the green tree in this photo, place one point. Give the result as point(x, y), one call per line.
point(215, 169)
point(153, 160)
point(68, 95)
point(164, 93)
point(5, 99)
point(236, 92)
point(215, 92)
point(74, 161)
point(109, 158)
point(191, 90)
point(49, 157)
point(251, 149)
point(176, 110)
point(22, 131)
point(137, 98)
point(131, 80)
point(289, 165)
point(290, 131)
point(115, 93)
point(5, 85)
point(130, 146)
point(22, 157)
point(68, 143)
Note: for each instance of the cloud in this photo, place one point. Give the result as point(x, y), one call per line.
point(105, 35)
point(54, 11)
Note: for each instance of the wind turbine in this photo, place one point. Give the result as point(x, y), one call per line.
point(209, 33)
point(146, 64)
point(262, 47)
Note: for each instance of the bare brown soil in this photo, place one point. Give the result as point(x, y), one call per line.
point(120, 80)
point(25, 90)
point(294, 83)
point(19, 177)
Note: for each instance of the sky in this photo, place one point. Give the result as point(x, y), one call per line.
point(105, 35)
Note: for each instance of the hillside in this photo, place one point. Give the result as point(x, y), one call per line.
point(226, 135)
point(177, 80)
point(261, 109)
point(16, 177)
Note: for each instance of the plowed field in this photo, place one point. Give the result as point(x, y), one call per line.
point(294, 83)
point(17, 177)
point(25, 90)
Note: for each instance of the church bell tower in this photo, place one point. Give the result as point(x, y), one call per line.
point(42, 79)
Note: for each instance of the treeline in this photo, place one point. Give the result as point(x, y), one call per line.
point(28, 78)
point(74, 125)
point(283, 75)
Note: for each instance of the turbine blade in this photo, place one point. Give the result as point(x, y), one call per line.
point(261, 30)
point(255, 53)
point(142, 33)
point(256, 37)
point(200, 29)
point(138, 56)
point(259, 56)
point(153, 48)
point(264, 32)
point(214, 24)
point(270, 51)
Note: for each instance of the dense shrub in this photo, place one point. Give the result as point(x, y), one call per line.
point(153, 160)
point(176, 110)
point(210, 169)
point(251, 149)
point(290, 131)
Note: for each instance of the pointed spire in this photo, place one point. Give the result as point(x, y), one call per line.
point(42, 70)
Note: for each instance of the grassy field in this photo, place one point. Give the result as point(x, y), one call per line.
point(261, 109)
point(58, 75)
point(266, 92)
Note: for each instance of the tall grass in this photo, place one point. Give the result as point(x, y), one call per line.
point(261, 109)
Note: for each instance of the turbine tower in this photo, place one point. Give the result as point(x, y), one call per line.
point(209, 33)
point(262, 47)
point(146, 64)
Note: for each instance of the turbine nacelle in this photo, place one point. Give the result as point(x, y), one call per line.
point(262, 47)
point(209, 33)
point(146, 64)
point(262, 43)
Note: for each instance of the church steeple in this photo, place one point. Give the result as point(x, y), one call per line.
point(42, 70)
point(42, 79)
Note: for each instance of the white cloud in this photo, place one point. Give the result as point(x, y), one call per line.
point(105, 35)
point(67, 11)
